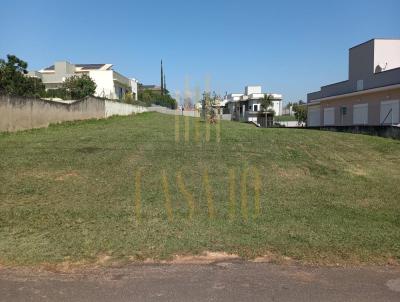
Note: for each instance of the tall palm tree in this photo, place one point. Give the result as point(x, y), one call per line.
point(266, 104)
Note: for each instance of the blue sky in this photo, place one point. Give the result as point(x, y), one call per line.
point(288, 47)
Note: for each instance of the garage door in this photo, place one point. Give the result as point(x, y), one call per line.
point(390, 112)
point(329, 116)
point(360, 114)
point(313, 118)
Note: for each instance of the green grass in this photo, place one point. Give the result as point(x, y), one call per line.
point(67, 193)
point(285, 118)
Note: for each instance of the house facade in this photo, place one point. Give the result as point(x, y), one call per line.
point(246, 107)
point(110, 84)
point(370, 96)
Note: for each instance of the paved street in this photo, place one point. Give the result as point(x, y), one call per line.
point(222, 281)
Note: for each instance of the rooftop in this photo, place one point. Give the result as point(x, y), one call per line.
point(82, 67)
point(365, 69)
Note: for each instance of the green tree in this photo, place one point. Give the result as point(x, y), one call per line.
point(13, 79)
point(300, 111)
point(266, 104)
point(79, 87)
point(34, 87)
point(150, 97)
point(210, 101)
point(146, 96)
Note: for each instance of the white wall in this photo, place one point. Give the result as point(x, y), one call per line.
point(116, 108)
point(105, 83)
point(193, 113)
point(387, 51)
point(277, 106)
point(134, 85)
point(291, 124)
point(252, 89)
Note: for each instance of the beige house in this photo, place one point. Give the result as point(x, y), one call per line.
point(370, 96)
point(109, 83)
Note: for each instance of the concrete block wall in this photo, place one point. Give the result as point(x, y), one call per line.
point(159, 109)
point(19, 113)
point(115, 108)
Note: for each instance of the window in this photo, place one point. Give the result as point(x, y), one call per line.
point(249, 107)
point(329, 116)
point(360, 85)
point(389, 112)
point(313, 116)
point(255, 107)
point(360, 114)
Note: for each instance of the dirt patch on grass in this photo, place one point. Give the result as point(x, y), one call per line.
point(67, 176)
point(65, 267)
point(206, 257)
point(103, 259)
point(273, 258)
point(357, 171)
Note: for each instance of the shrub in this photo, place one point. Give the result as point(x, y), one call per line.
point(79, 87)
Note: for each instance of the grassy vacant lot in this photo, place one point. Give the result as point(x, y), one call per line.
point(67, 193)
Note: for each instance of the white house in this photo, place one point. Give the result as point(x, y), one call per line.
point(245, 107)
point(110, 84)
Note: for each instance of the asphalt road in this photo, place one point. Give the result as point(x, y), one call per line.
point(222, 281)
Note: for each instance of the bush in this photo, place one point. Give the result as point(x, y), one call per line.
point(79, 87)
point(300, 111)
point(150, 97)
point(128, 98)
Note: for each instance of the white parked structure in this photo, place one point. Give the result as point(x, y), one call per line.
point(110, 84)
point(246, 107)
